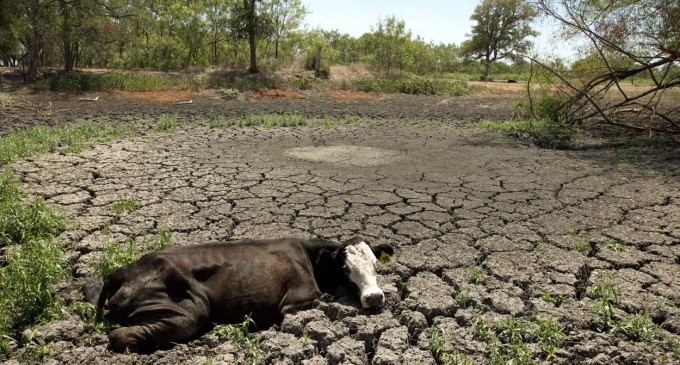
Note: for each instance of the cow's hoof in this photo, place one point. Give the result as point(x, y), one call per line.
point(126, 339)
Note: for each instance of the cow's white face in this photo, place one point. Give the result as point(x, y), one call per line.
point(360, 269)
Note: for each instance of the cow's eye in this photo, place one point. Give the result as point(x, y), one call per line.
point(346, 269)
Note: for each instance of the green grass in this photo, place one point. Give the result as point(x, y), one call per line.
point(555, 299)
point(239, 335)
point(33, 263)
point(583, 247)
point(637, 327)
point(606, 291)
point(508, 340)
point(116, 255)
point(71, 138)
point(615, 246)
point(125, 205)
point(463, 298)
point(476, 275)
point(118, 81)
point(279, 120)
point(165, 123)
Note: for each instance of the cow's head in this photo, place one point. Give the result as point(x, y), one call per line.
point(359, 267)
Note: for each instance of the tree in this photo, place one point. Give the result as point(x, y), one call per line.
point(248, 21)
point(286, 15)
point(389, 41)
point(625, 38)
point(501, 30)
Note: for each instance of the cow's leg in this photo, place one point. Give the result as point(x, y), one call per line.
point(146, 336)
point(300, 298)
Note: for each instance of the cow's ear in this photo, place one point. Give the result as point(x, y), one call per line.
point(383, 252)
point(326, 257)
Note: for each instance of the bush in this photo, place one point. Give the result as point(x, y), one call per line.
point(419, 86)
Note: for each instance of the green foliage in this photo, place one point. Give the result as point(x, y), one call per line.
point(476, 275)
point(421, 86)
point(125, 205)
point(638, 327)
point(70, 138)
point(463, 299)
point(583, 247)
point(165, 123)
point(489, 41)
point(606, 291)
point(550, 335)
point(115, 81)
point(555, 299)
point(23, 220)
point(239, 335)
point(384, 258)
point(32, 265)
point(615, 246)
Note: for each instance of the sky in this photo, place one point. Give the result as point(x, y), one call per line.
point(440, 21)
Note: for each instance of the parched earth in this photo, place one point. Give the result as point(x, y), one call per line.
point(486, 228)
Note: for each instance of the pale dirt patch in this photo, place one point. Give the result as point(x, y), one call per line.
point(164, 96)
point(347, 155)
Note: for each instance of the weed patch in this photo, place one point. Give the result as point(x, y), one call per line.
point(165, 123)
point(71, 138)
point(508, 339)
point(637, 327)
point(33, 263)
point(118, 81)
point(476, 275)
point(125, 205)
point(606, 291)
point(239, 335)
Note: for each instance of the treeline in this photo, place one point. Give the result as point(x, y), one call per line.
point(172, 34)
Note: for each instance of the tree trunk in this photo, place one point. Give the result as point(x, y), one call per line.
point(69, 60)
point(250, 8)
point(487, 65)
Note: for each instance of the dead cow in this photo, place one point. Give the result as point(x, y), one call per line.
point(171, 295)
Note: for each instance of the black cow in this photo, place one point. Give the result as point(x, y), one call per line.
point(171, 295)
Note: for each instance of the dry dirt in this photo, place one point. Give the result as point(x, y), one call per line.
point(511, 226)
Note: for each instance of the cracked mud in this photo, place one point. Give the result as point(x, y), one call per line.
point(473, 215)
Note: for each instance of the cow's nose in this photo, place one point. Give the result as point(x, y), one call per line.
point(373, 300)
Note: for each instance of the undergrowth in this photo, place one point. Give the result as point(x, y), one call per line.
point(71, 138)
point(146, 82)
point(437, 344)
point(33, 263)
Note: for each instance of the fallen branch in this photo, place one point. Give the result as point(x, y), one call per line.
point(185, 102)
point(89, 99)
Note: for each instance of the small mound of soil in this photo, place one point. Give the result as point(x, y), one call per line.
point(276, 94)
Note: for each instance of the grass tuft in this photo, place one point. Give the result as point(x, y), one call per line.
point(606, 291)
point(125, 205)
point(33, 263)
point(165, 123)
point(437, 345)
point(637, 327)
